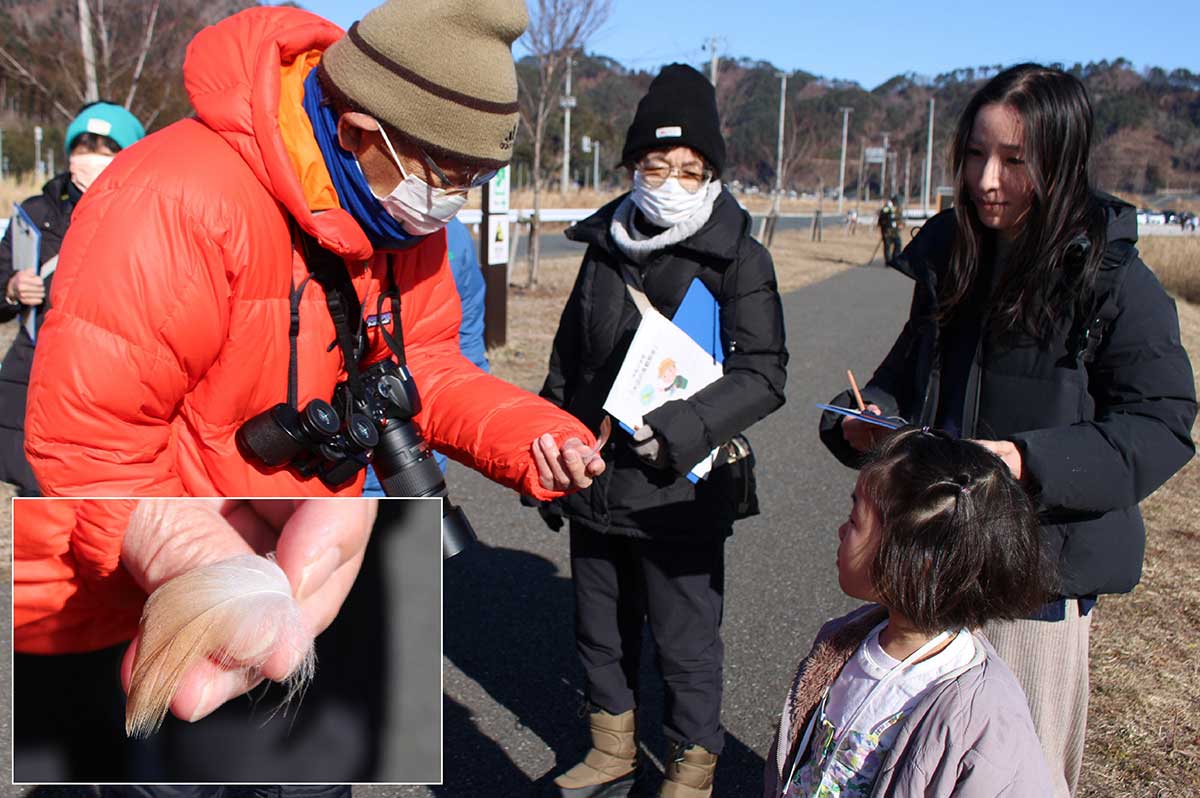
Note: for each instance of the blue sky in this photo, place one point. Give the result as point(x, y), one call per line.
point(869, 41)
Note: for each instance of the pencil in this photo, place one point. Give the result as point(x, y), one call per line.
point(862, 408)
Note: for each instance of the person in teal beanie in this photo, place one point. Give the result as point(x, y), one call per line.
point(93, 139)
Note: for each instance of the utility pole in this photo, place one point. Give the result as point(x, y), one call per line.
point(596, 166)
point(38, 167)
point(928, 162)
point(91, 92)
point(712, 48)
point(766, 231)
point(567, 103)
point(1, 153)
point(842, 167)
point(883, 169)
point(779, 142)
point(907, 164)
point(862, 170)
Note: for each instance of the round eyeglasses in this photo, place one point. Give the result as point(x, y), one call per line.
point(691, 177)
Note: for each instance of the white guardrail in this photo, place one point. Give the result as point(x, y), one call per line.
point(569, 215)
point(573, 215)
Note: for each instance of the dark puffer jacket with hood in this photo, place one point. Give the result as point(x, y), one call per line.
point(51, 212)
point(632, 497)
point(1101, 411)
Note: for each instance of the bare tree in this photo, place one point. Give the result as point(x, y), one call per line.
point(147, 40)
point(130, 51)
point(91, 90)
point(557, 28)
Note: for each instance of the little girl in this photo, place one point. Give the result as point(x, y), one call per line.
point(903, 697)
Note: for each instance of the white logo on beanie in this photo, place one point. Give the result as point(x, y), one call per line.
point(101, 127)
point(673, 132)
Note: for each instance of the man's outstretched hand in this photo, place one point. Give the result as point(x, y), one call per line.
point(571, 466)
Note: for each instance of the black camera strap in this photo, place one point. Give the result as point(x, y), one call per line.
point(329, 271)
point(394, 342)
point(293, 333)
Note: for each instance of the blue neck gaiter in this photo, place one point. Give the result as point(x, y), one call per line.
point(353, 192)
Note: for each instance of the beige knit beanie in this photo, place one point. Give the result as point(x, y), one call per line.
point(439, 71)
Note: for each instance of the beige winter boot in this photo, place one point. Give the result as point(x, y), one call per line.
point(610, 767)
point(689, 773)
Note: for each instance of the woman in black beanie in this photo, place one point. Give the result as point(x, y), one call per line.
point(647, 543)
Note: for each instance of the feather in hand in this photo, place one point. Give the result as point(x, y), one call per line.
point(235, 612)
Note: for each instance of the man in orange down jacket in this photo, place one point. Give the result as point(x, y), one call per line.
point(172, 295)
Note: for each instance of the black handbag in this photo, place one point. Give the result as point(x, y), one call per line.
point(738, 457)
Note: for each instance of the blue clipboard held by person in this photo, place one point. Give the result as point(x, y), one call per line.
point(26, 256)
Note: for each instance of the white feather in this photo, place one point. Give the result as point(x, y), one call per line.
point(235, 612)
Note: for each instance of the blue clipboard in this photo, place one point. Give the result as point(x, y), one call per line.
point(26, 255)
point(890, 422)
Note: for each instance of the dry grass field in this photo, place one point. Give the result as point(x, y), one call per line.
point(586, 198)
point(1176, 261)
point(14, 191)
point(1144, 720)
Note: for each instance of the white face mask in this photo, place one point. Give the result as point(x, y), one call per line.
point(669, 204)
point(86, 167)
point(419, 207)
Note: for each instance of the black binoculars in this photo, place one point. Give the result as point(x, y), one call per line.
point(375, 429)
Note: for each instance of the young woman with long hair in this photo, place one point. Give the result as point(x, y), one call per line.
point(1036, 330)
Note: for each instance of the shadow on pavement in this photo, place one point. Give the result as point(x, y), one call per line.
point(509, 627)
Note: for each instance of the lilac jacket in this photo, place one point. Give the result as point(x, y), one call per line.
point(969, 737)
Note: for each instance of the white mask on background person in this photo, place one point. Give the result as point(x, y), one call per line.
point(420, 208)
point(669, 204)
point(85, 167)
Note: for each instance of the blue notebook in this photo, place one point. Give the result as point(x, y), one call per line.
point(699, 315)
point(26, 255)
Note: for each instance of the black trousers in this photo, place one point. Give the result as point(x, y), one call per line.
point(679, 587)
point(891, 245)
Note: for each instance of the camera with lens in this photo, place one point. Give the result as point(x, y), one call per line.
point(374, 427)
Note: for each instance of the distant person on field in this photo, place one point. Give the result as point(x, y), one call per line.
point(904, 696)
point(98, 133)
point(851, 222)
point(889, 222)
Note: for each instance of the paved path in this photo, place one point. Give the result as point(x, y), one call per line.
point(512, 683)
point(511, 679)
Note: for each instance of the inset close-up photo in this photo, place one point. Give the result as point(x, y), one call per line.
point(226, 640)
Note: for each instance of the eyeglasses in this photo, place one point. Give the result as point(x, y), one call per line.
point(691, 177)
point(475, 177)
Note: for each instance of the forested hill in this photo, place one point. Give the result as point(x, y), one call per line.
point(1148, 122)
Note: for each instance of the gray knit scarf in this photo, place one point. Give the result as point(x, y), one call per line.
point(639, 250)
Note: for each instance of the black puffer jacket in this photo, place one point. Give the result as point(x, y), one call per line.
point(51, 212)
point(1102, 412)
point(597, 325)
